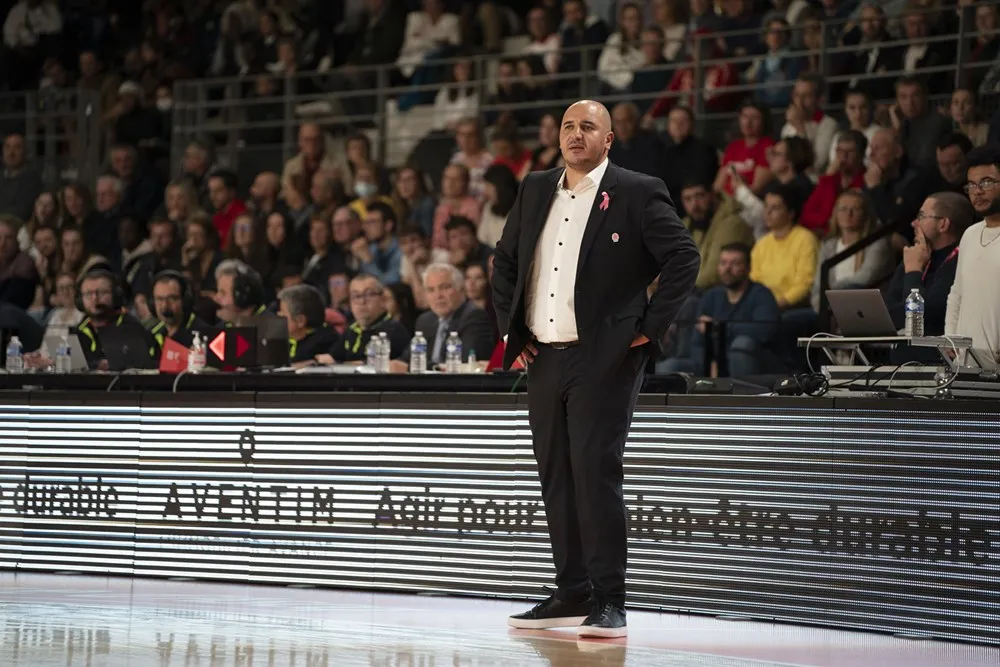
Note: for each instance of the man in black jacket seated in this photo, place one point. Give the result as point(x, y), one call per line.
point(366, 295)
point(308, 336)
point(173, 304)
point(100, 298)
point(929, 263)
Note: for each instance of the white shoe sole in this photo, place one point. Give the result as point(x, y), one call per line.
point(543, 624)
point(604, 633)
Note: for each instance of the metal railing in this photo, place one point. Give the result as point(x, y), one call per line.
point(221, 109)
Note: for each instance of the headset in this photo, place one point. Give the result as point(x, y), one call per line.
point(101, 271)
point(187, 296)
point(248, 287)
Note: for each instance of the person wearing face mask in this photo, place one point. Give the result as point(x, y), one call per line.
point(366, 188)
point(102, 300)
point(172, 303)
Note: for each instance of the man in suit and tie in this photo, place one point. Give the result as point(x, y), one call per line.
point(450, 311)
point(570, 278)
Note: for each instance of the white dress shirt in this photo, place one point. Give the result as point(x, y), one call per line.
point(550, 306)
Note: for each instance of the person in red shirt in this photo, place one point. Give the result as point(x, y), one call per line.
point(849, 175)
point(719, 78)
point(222, 193)
point(509, 152)
point(747, 156)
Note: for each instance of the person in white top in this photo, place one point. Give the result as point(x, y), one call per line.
point(974, 301)
point(544, 41)
point(805, 119)
point(570, 277)
point(427, 32)
point(457, 100)
point(622, 55)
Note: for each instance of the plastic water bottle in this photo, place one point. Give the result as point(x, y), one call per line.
point(15, 355)
point(384, 352)
point(470, 365)
point(64, 359)
point(196, 356)
point(914, 327)
point(371, 353)
point(418, 353)
point(453, 353)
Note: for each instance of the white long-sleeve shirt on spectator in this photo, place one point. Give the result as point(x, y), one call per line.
point(548, 50)
point(615, 68)
point(24, 24)
point(974, 300)
point(820, 133)
point(423, 37)
point(449, 110)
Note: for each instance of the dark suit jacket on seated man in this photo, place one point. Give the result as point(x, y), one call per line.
point(102, 303)
point(450, 311)
point(571, 271)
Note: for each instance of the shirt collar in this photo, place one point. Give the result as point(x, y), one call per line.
point(593, 178)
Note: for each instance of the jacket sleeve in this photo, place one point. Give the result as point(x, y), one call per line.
point(669, 242)
point(505, 269)
point(751, 210)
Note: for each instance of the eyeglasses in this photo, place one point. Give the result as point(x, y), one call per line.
point(170, 298)
point(364, 296)
point(95, 294)
point(850, 209)
point(984, 185)
point(921, 216)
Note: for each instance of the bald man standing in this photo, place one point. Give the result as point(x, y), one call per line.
point(570, 273)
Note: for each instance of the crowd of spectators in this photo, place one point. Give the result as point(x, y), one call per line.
point(766, 211)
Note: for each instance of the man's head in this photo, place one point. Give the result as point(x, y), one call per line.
point(781, 207)
point(538, 24)
point(808, 93)
point(379, 223)
point(887, 150)
point(97, 292)
point(90, 64)
point(625, 120)
point(130, 232)
point(162, 236)
point(8, 240)
point(680, 123)
point(915, 24)
point(168, 298)
point(367, 299)
point(312, 144)
point(911, 96)
point(943, 218)
point(983, 176)
point(321, 190)
point(239, 290)
point(444, 285)
point(123, 160)
point(585, 135)
point(13, 151)
point(197, 159)
point(319, 234)
point(109, 192)
point(461, 236)
point(872, 23)
point(699, 200)
point(734, 265)
point(574, 12)
point(951, 151)
point(469, 136)
point(221, 189)
point(265, 189)
point(652, 44)
point(850, 151)
point(414, 244)
point(346, 225)
point(302, 307)
point(455, 181)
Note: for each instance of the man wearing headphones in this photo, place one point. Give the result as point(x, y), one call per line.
point(239, 291)
point(173, 304)
point(101, 299)
point(308, 336)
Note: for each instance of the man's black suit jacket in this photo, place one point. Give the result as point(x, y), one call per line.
point(625, 247)
point(472, 324)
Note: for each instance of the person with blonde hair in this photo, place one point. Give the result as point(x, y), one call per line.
point(853, 220)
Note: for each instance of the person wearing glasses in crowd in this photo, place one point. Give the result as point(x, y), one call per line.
point(103, 305)
point(371, 317)
point(173, 306)
point(974, 301)
point(308, 335)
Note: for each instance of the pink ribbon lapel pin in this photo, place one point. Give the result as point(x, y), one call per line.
point(605, 200)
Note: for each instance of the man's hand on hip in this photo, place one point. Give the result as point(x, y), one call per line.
point(639, 339)
point(528, 354)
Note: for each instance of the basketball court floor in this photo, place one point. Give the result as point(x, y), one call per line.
point(69, 621)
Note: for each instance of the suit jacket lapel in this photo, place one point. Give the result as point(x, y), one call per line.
point(597, 215)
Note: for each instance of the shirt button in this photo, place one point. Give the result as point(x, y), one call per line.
point(567, 219)
point(551, 320)
point(552, 295)
point(557, 268)
point(560, 243)
point(572, 196)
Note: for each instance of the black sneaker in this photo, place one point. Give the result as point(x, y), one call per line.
point(606, 620)
point(552, 613)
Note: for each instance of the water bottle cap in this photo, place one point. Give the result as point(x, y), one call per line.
point(453, 333)
point(418, 332)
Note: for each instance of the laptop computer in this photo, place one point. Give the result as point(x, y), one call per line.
point(861, 313)
point(271, 340)
point(126, 348)
point(52, 342)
